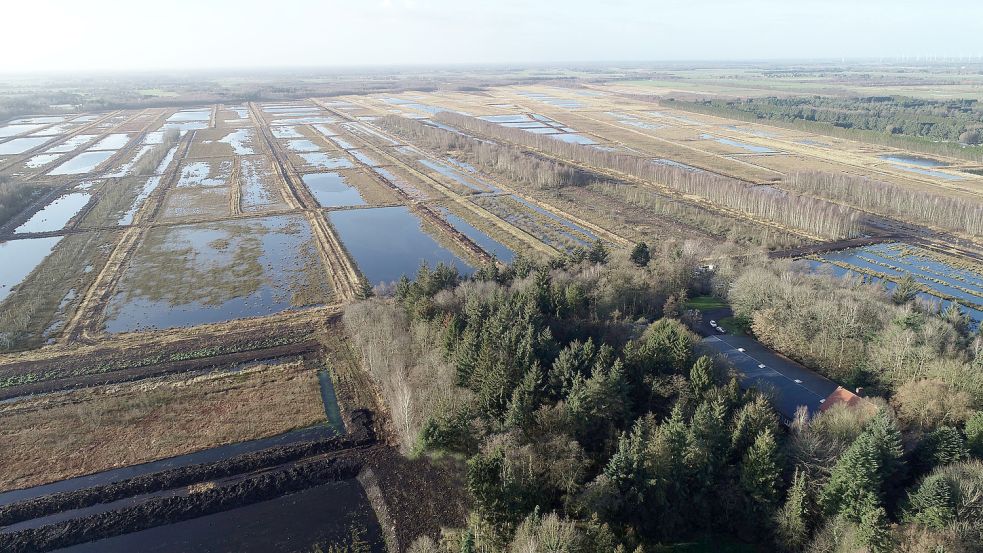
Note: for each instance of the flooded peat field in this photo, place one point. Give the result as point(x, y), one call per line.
point(737, 144)
point(493, 247)
point(42, 281)
point(200, 273)
point(54, 216)
point(332, 189)
point(20, 257)
point(545, 226)
point(540, 124)
point(390, 242)
point(946, 282)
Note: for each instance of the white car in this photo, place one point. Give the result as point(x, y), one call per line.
point(721, 330)
point(713, 323)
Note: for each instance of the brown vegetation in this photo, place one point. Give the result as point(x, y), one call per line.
point(69, 434)
point(893, 200)
point(148, 163)
point(816, 216)
point(14, 196)
point(405, 364)
point(514, 163)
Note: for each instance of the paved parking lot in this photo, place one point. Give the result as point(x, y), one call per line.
point(791, 384)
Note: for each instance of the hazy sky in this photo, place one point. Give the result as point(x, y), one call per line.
point(44, 35)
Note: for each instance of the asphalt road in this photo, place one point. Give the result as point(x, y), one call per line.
point(790, 384)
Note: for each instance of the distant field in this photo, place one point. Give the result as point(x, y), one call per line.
point(942, 85)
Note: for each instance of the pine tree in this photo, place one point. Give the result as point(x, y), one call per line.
point(640, 254)
point(365, 290)
point(945, 445)
point(707, 444)
point(467, 542)
point(887, 439)
point(598, 252)
point(869, 471)
point(521, 266)
point(958, 318)
point(542, 286)
point(466, 356)
point(873, 529)
point(453, 327)
point(752, 419)
point(855, 479)
point(760, 472)
point(626, 468)
point(932, 503)
point(701, 377)
point(525, 399)
point(793, 518)
point(669, 500)
point(491, 483)
point(905, 290)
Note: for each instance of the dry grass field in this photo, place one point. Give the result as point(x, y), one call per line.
point(68, 434)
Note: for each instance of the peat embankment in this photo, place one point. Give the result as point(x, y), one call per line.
point(268, 474)
point(360, 435)
point(99, 378)
point(417, 496)
point(167, 510)
point(831, 246)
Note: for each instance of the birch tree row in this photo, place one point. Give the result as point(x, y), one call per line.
point(813, 215)
point(958, 214)
point(513, 163)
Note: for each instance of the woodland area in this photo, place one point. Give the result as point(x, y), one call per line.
point(951, 128)
point(585, 416)
point(15, 195)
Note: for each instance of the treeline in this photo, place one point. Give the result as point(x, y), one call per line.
point(901, 133)
point(15, 195)
point(942, 120)
point(515, 164)
point(815, 216)
point(586, 429)
point(699, 217)
point(147, 164)
point(37, 103)
point(959, 214)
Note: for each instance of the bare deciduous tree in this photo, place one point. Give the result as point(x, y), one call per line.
point(816, 216)
point(960, 214)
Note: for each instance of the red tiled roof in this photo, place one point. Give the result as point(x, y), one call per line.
point(841, 396)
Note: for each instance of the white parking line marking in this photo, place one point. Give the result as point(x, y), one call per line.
point(778, 372)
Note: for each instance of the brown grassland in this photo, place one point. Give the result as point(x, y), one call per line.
point(72, 433)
